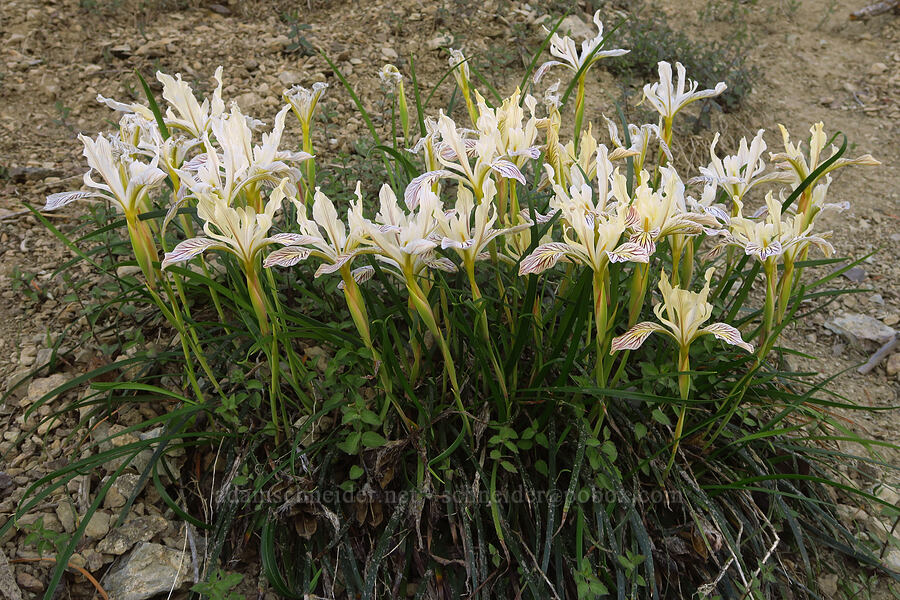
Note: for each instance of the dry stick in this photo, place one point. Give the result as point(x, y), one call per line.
point(81, 570)
point(880, 354)
point(874, 9)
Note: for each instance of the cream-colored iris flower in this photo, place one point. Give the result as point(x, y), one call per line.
point(739, 173)
point(126, 180)
point(669, 97)
point(565, 49)
point(681, 316)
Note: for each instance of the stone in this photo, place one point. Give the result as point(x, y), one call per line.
point(861, 330)
point(39, 388)
point(66, 515)
point(29, 582)
point(8, 585)
point(251, 64)
point(140, 529)
point(148, 570)
point(389, 53)
point(576, 28)
point(15, 384)
point(855, 274)
point(439, 41)
point(828, 585)
point(98, 526)
point(893, 364)
point(289, 78)
point(127, 271)
point(277, 43)
point(892, 560)
point(877, 68)
point(121, 490)
point(249, 100)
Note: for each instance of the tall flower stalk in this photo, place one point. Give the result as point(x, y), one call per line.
point(681, 316)
point(564, 48)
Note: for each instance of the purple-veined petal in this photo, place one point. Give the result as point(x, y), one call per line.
point(419, 246)
point(188, 249)
point(450, 243)
point(483, 256)
point(413, 194)
point(326, 268)
point(508, 170)
point(644, 239)
point(173, 209)
point(525, 214)
point(286, 257)
point(543, 257)
point(56, 201)
point(544, 68)
point(634, 337)
point(762, 253)
point(292, 239)
point(629, 251)
point(360, 275)
point(442, 264)
point(728, 334)
point(620, 153)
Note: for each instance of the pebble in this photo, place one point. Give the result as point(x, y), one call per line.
point(39, 388)
point(98, 526)
point(389, 53)
point(142, 529)
point(149, 570)
point(439, 41)
point(29, 582)
point(877, 68)
point(861, 329)
point(893, 364)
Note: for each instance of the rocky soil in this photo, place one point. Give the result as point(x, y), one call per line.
point(57, 55)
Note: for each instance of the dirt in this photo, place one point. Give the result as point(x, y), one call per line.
point(56, 56)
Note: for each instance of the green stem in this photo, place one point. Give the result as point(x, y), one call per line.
point(481, 323)
point(579, 108)
point(684, 389)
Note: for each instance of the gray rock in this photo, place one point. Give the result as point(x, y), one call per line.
point(855, 274)
point(828, 584)
point(8, 586)
point(249, 100)
point(39, 388)
point(98, 526)
point(66, 515)
point(892, 560)
point(440, 41)
point(141, 529)
point(893, 364)
point(148, 570)
point(18, 376)
point(121, 490)
point(861, 330)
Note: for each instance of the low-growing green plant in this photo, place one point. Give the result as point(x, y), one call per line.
point(473, 404)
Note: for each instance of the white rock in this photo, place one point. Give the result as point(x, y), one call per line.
point(892, 560)
point(148, 570)
point(39, 388)
point(893, 364)
point(861, 329)
point(98, 526)
point(389, 53)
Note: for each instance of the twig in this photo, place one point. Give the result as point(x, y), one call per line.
point(81, 570)
point(874, 9)
point(879, 355)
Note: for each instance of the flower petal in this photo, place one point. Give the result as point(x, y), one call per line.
point(326, 268)
point(293, 239)
point(360, 275)
point(508, 170)
point(286, 257)
point(629, 251)
point(413, 194)
point(188, 249)
point(728, 334)
point(55, 201)
point(634, 337)
point(543, 257)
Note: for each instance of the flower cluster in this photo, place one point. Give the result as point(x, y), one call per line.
point(621, 221)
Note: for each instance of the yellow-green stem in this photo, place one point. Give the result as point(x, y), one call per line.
point(684, 389)
point(579, 108)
